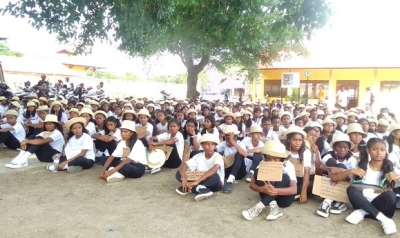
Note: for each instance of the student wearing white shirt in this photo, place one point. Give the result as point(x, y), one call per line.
point(80, 141)
point(12, 133)
point(209, 161)
point(228, 120)
point(145, 121)
point(218, 115)
point(382, 128)
point(117, 167)
point(257, 118)
point(376, 172)
point(30, 114)
point(191, 134)
point(365, 126)
point(3, 106)
point(99, 121)
point(107, 139)
point(356, 135)
point(273, 194)
point(228, 147)
point(87, 114)
point(252, 145)
point(42, 112)
point(327, 134)
point(238, 121)
point(45, 145)
point(268, 134)
point(172, 138)
point(335, 161)
point(56, 109)
point(276, 127)
point(343, 97)
point(162, 124)
point(209, 126)
point(72, 113)
point(248, 123)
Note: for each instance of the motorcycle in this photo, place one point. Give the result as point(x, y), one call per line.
point(5, 91)
point(166, 96)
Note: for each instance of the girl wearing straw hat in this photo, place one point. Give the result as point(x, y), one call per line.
point(107, 139)
point(88, 115)
point(208, 161)
point(228, 120)
point(145, 121)
point(333, 162)
point(132, 164)
point(37, 124)
point(377, 172)
point(29, 115)
point(300, 154)
point(246, 119)
point(393, 144)
point(356, 135)
point(45, 145)
point(56, 109)
point(365, 127)
point(327, 134)
point(252, 145)
point(228, 147)
point(273, 194)
point(79, 152)
point(12, 133)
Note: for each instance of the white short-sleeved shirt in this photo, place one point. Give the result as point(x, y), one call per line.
point(161, 127)
point(218, 118)
point(200, 163)
point(369, 136)
point(197, 137)
point(222, 127)
point(288, 168)
point(271, 136)
point(137, 154)
point(19, 131)
point(214, 132)
point(350, 163)
point(307, 158)
point(395, 158)
point(179, 144)
point(58, 140)
point(343, 97)
point(117, 134)
point(91, 128)
point(83, 143)
point(149, 128)
point(224, 149)
point(247, 144)
point(280, 132)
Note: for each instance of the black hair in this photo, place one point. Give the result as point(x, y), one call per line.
point(176, 121)
point(387, 165)
point(134, 116)
point(196, 131)
point(212, 120)
point(111, 119)
point(29, 114)
point(390, 140)
point(70, 134)
point(297, 119)
point(109, 107)
point(308, 129)
point(302, 147)
point(132, 140)
point(58, 127)
point(264, 119)
point(274, 118)
point(59, 114)
point(247, 123)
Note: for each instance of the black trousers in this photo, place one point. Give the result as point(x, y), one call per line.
point(282, 201)
point(300, 185)
point(256, 158)
point(44, 152)
point(9, 140)
point(385, 202)
point(80, 161)
point(174, 160)
point(213, 182)
point(103, 146)
point(131, 170)
point(238, 169)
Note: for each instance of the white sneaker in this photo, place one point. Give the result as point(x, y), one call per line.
point(253, 212)
point(155, 170)
point(115, 177)
point(338, 208)
point(355, 217)
point(389, 227)
point(324, 209)
point(204, 193)
point(18, 164)
point(274, 212)
point(248, 177)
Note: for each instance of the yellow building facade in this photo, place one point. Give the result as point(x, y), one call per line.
point(355, 80)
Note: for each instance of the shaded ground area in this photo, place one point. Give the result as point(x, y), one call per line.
point(38, 203)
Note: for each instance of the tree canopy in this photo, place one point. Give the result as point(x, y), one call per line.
point(221, 33)
point(4, 50)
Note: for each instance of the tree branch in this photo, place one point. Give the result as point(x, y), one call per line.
point(203, 62)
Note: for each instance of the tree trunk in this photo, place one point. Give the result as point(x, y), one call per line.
point(191, 86)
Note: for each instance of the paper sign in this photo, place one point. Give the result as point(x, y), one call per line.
point(194, 175)
point(166, 149)
point(228, 160)
point(298, 167)
point(186, 151)
point(47, 134)
point(72, 152)
point(125, 152)
point(324, 188)
point(270, 171)
point(161, 132)
point(141, 129)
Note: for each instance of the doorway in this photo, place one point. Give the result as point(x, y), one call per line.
point(353, 87)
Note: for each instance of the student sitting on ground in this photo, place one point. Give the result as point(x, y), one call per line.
point(252, 145)
point(12, 133)
point(208, 161)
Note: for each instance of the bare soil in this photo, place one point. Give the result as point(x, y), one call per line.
point(38, 203)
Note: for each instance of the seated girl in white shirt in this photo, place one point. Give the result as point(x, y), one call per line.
point(12, 133)
point(208, 161)
point(107, 139)
point(377, 172)
point(209, 126)
point(273, 194)
point(87, 114)
point(146, 121)
point(192, 135)
point(117, 167)
point(56, 109)
point(80, 144)
point(44, 145)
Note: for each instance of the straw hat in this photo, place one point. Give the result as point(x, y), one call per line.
point(308, 142)
point(355, 128)
point(218, 108)
point(237, 114)
point(294, 129)
point(87, 111)
point(73, 110)
point(209, 138)
point(64, 102)
point(228, 114)
point(11, 113)
point(256, 129)
point(349, 114)
point(51, 118)
point(328, 121)
point(282, 114)
point(156, 159)
point(302, 114)
point(191, 111)
point(383, 122)
point(340, 115)
point(231, 129)
point(72, 121)
point(274, 108)
point(43, 99)
point(341, 137)
point(55, 103)
point(94, 103)
point(43, 108)
point(15, 99)
point(80, 104)
point(302, 106)
point(320, 112)
point(128, 105)
point(32, 95)
point(394, 128)
point(372, 120)
point(129, 125)
point(16, 104)
point(143, 112)
point(31, 104)
point(246, 112)
point(314, 124)
point(35, 101)
point(275, 148)
point(150, 105)
point(101, 112)
point(130, 112)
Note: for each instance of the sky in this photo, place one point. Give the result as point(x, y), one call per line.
point(368, 28)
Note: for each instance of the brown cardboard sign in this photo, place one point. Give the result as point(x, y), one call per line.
point(228, 160)
point(186, 151)
point(125, 152)
point(166, 149)
point(298, 167)
point(194, 175)
point(141, 129)
point(324, 188)
point(270, 171)
point(161, 132)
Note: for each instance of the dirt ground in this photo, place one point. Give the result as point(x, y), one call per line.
point(38, 203)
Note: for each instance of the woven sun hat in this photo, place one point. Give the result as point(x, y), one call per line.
point(11, 113)
point(314, 124)
point(328, 121)
point(302, 114)
point(355, 128)
point(282, 114)
point(43, 108)
point(143, 112)
point(275, 148)
point(156, 159)
point(341, 137)
point(191, 111)
point(394, 127)
point(294, 129)
point(129, 125)
point(101, 112)
point(75, 120)
point(383, 122)
point(231, 129)
point(209, 138)
point(228, 114)
point(256, 129)
point(51, 118)
point(87, 111)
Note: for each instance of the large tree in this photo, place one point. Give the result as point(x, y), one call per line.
point(219, 33)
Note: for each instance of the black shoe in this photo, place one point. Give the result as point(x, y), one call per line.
point(204, 193)
point(228, 188)
point(180, 191)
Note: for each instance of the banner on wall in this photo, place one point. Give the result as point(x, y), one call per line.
point(290, 80)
